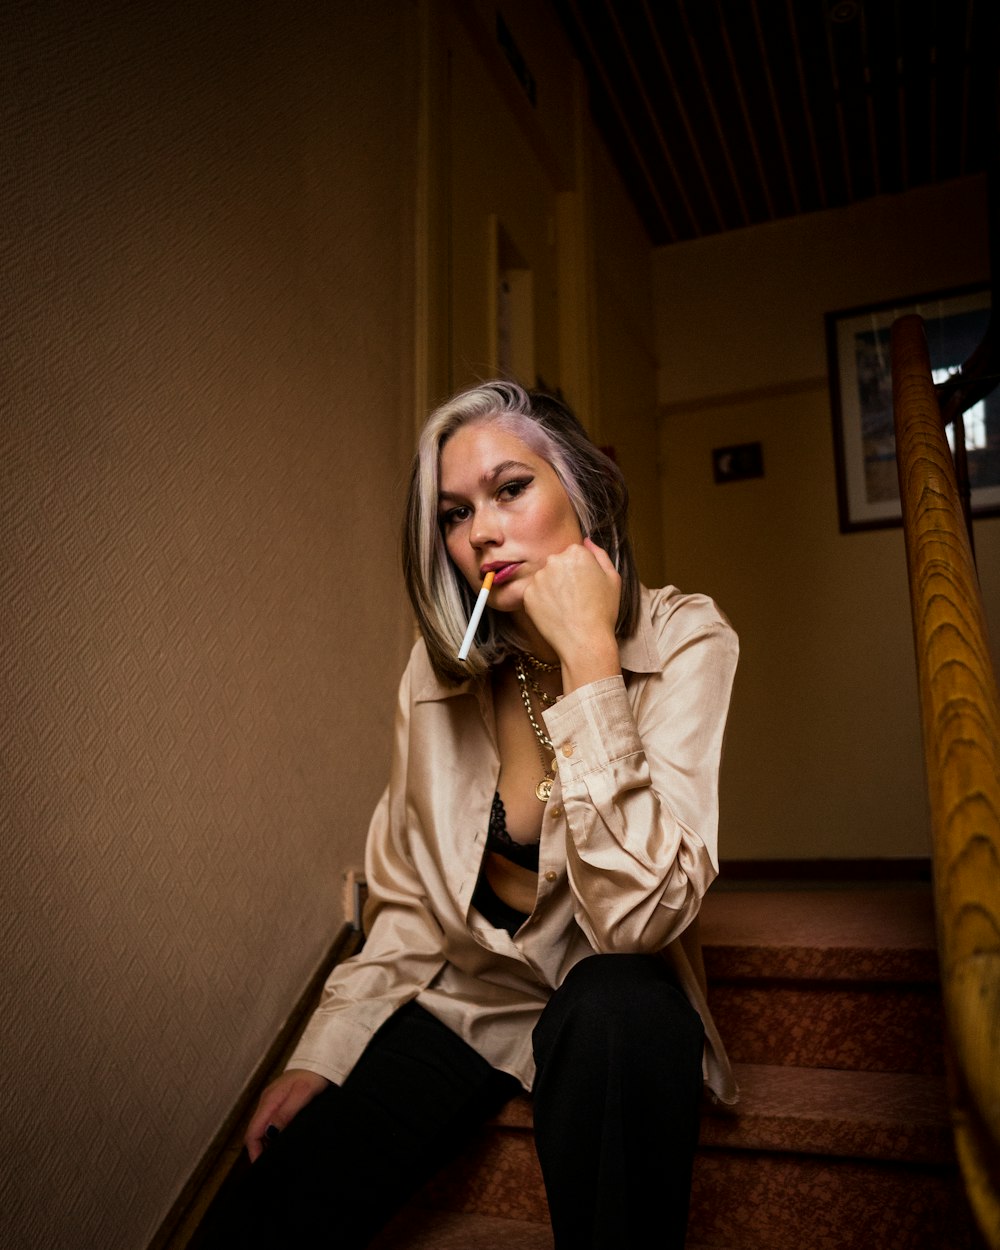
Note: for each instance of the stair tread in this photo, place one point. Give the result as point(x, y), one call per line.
point(886, 1097)
point(864, 1115)
point(419, 1229)
point(867, 1115)
point(863, 934)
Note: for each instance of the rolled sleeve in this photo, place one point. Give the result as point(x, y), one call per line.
point(592, 728)
point(638, 768)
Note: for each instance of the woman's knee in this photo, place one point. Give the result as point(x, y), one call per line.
point(635, 996)
point(615, 977)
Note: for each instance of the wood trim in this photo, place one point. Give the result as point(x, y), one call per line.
point(432, 380)
point(577, 272)
point(823, 871)
point(733, 399)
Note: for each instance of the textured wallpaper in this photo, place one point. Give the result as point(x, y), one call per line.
point(206, 250)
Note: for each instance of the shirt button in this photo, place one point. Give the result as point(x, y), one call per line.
point(550, 876)
point(567, 749)
point(556, 811)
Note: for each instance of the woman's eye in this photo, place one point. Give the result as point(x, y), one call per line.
point(454, 516)
point(511, 490)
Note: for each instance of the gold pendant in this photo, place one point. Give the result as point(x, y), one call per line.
point(544, 789)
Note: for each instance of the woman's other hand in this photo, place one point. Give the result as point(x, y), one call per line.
point(279, 1104)
point(573, 602)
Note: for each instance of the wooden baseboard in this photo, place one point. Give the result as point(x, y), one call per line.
point(225, 1156)
point(857, 871)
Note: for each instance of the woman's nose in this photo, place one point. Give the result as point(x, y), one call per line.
point(484, 530)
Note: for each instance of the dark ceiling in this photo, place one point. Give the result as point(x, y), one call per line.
point(729, 113)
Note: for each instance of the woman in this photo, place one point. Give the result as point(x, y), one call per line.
point(535, 865)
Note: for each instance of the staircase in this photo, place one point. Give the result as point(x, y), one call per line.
point(829, 1003)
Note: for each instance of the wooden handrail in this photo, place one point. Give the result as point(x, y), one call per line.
point(980, 374)
point(960, 712)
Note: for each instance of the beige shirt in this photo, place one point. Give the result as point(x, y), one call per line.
point(628, 847)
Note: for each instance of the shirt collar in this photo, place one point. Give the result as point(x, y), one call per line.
point(637, 654)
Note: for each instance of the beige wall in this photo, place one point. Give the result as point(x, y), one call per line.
point(206, 417)
point(823, 756)
point(230, 228)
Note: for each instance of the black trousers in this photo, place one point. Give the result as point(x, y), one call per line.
point(616, 1098)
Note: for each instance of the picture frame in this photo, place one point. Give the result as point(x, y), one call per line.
point(858, 356)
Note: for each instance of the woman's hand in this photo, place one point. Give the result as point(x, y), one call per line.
point(280, 1103)
point(573, 603)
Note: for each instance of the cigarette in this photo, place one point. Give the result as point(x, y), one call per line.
point(477, 612)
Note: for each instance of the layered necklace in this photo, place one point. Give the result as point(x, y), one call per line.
point(528, 685)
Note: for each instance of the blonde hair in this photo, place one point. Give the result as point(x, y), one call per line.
point(442, 599)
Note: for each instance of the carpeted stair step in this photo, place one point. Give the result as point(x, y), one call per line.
point(415, 1229)
point(837, 1143)
point(868, 1128)
point(826, 978)
point(889, 1116)
point(808, 1202)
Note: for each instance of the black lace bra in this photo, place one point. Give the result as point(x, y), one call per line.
point(500, 841)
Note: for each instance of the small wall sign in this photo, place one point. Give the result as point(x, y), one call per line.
point(736, 464)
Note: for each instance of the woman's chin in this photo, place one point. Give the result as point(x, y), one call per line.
point(507, 598)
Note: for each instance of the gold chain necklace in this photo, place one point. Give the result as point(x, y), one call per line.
point(543, 666)
point(544, 787)
point(544, 698)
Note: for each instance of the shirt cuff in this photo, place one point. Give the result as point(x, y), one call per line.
point(592, 727)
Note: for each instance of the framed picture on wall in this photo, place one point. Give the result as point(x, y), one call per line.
point(858, 354)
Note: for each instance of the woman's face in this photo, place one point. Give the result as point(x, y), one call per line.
point(502, 509)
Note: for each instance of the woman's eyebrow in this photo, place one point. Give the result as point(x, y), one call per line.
point(490, 476)
point(504, 465)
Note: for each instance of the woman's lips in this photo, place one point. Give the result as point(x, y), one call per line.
point(502, 572)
